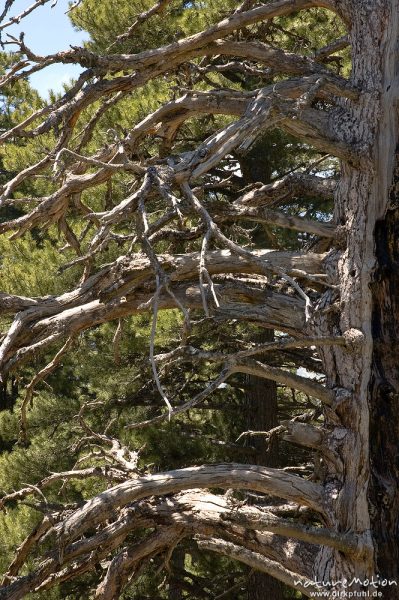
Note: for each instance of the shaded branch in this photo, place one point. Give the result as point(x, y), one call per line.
point(258, 562)
point(124, 563)
point(237, 301)
point(296, 185)
point(303, 384)
point(261, 479)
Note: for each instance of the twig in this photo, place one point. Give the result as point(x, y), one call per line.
point(31, 386)
point(22, 15)
point(144, 16)
point(211, 387)
point(116, 341)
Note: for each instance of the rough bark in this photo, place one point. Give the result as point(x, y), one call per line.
point(362, 200)
point(261, 413)
point(384, 385)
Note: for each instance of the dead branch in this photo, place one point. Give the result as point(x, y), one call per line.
point(258, 562)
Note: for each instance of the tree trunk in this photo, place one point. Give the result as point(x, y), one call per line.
point(260, 406)
point(362, 425)
point(261, 413)
point(174, 583)
point(384, 397)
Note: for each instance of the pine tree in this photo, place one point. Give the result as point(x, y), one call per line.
point(138, 171)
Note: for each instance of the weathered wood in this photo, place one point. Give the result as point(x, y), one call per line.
point(355, 120)
point(262, 479)
point(361, 202)
point(304, 384)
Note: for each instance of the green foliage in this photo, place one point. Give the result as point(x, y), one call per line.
point(106, 21)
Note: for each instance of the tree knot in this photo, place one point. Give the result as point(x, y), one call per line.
point(354, 338)
point(342, 396)
point(340, 237)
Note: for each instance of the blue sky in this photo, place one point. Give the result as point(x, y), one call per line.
point(48, 30)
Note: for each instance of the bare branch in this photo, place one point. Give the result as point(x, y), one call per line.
point(57, 318)
point(265, 215)
point(196, 354)
point(323, 53)
point(40, 376)
point(261, 479)
point(207, 391)
point(17, 19)
point(296, 185)
point(123, 564)
point(304, 384)
point(141, 18)
point(258, 562)
point(55, 477)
